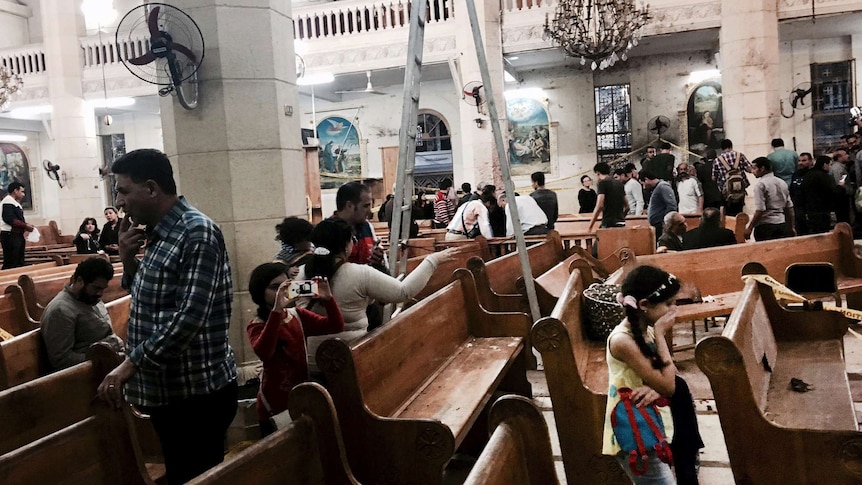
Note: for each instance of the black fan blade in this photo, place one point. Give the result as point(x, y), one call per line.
point(153, 22)
point(144, 59)
point(185, 51)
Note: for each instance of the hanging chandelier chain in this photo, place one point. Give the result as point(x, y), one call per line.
point(602, 31)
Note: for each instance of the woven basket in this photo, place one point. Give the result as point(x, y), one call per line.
point(602, 312)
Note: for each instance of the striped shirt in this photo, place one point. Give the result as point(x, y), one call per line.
point(180, 314)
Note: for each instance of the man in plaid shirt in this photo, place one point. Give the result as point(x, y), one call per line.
point(179, 369)
point(729, 157)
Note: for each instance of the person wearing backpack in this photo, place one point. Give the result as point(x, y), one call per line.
point(729, 172)
point(643, 381)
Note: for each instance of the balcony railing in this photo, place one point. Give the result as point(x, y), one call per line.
point(29, 59)
point(103, 51)
point(354, 17)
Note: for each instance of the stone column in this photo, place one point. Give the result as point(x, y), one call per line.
point(749, 74)
point(74, 123)
point(238, 157)
point(479, 156)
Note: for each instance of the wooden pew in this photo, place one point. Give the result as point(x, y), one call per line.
point(639, 239)
point(550, 284)
point(23, 359)
point(310, 451)
point(14, 273)
point(577, 377)
point(97, 449)
point(773, 434)
point(45, 405)
point(13, 312)
point(519, 451)
point(500, 281)
point(408, 394)
point(37, 294)
point(443, 275)
point(718, 269)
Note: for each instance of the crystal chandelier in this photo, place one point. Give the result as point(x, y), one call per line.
point(9, 84)
point(602, 31)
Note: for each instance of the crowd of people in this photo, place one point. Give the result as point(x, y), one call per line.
point(331, 280)
point(794, 194)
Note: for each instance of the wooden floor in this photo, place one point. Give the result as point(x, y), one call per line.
point(715, 466)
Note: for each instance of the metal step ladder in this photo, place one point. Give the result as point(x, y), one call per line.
point(403, 202)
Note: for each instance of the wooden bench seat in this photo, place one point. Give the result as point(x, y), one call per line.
point(408, 394)
point(802, 438)
point(718, 269)
point(519, 450)
point(550, 284)
point(97, 449)
point(577, 377)
point(309, 451)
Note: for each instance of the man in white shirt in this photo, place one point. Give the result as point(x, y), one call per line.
point(534, 221)
point(469, 216)
point(634, 189)
point(689, 191)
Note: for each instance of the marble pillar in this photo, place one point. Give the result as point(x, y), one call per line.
point(238, 157)
point(856, 53)
point(479, 155)
point(749, 74)
point(74, 123)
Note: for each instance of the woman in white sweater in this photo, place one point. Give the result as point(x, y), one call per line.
point(355, 286)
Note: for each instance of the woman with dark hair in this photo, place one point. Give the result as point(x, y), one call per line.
point(109, 240)
point(639, 359)
point(355, 286)
point(296, 247)
point(277, 335)
point(87, 239)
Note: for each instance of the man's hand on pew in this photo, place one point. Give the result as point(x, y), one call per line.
point(111, 388)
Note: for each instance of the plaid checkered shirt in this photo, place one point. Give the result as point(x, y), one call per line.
point(180, 313)
point(719, 172)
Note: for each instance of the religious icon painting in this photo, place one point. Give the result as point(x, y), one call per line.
point(529, 136)
point(15, 167)
point(705, 120)
point(339, 153)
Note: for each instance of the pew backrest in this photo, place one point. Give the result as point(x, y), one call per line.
point(504, 271)
point(519, 450)
point(22, 359)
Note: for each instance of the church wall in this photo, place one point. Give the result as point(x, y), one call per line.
point(796, 58)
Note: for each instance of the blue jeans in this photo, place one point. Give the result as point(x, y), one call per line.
point(657, 473)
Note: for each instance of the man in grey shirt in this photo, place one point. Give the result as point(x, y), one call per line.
point(77, 318)
point(773, 208)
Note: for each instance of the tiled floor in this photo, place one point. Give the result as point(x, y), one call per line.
point(715, 465)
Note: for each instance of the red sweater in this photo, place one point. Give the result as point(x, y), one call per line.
point(280, 344)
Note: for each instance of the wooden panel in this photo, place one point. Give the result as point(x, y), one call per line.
point(640, 239)
point(389, 158)
point(23, 359)
point(119, 310)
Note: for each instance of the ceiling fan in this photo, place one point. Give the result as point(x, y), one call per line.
point(369, 89)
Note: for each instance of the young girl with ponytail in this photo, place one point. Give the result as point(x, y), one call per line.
point(639, 358)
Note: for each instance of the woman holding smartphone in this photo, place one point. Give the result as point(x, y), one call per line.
point(277, 335)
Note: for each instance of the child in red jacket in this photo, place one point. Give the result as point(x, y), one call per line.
point(278, 334)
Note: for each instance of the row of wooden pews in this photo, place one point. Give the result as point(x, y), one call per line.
point(62, 434)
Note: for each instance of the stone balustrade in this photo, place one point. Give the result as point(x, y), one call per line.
point(356, 35)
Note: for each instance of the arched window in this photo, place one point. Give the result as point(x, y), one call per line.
point(433, 150)
point(432, 134)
